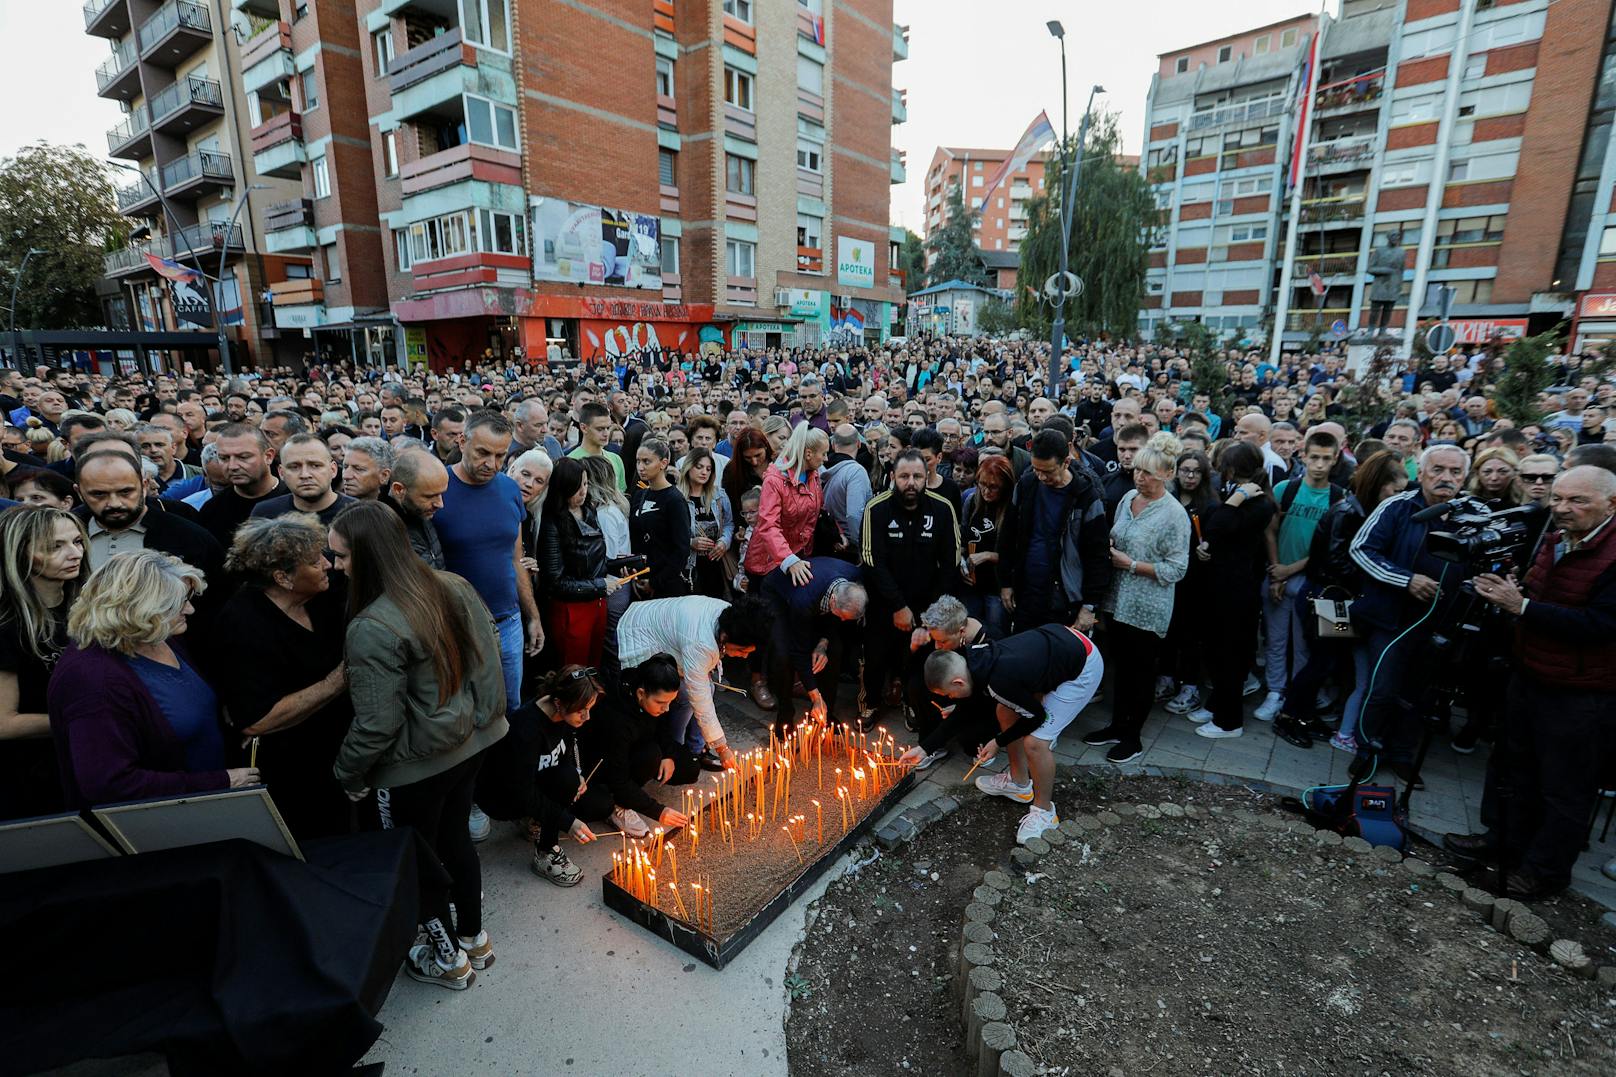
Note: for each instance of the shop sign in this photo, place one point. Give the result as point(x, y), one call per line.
point(1481, 330)
point(855, 262)
point(1599, 305)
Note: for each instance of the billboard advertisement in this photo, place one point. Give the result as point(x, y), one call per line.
point(574, 243)
point(855, 262)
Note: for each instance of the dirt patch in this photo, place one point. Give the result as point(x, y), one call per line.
point(1214, 945)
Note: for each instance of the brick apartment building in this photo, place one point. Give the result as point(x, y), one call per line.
point(509, 177)
point(1002, 223)
point(175, 67)
point(1496, 172)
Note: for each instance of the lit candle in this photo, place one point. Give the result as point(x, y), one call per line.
point(819, 823)
point(751, 825)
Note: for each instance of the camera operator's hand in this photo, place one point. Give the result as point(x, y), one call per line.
point(1500, 592)
point(1423, 588)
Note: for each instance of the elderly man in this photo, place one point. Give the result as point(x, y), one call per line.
point(119, 518)
point(366, 467)
point(812, 635)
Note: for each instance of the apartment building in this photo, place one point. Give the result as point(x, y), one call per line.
point(1002, 223)
point(1432, 125)
point(477, 182)
point(175, 69)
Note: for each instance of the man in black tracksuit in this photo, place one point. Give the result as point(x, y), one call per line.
point(911, 550)
point(1057, 539)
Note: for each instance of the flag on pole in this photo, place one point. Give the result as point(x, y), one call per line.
point(1304, 111)
point(1039, 133)
point(171, 270)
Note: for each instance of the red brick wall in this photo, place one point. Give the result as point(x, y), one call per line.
point(1458, 195)
point(1157, 259)
point(1400, 198)
point(1190, 256)
point(1512, 58)
point(1249, 158)
point(1425, 9)
point(1414, 134)
point(1257, 203)
point(1573, 35)
point(1186, 299)
point(1244, 298)
point(1163, 130)
point(1418, 72)
point(1605, 275)
point(1472, 257)
point(1200, 166)
point(861, 123)
point(1195, 211)
point(1493, 127)
point(1245, 252)
point(1152, 302)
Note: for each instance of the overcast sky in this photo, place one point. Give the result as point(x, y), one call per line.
point(972, 80)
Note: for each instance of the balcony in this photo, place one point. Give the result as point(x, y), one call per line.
point(140, 199)
point(1337, 209)
point(466, 164)
point(118, 77)
point(289, 226)
point(175, 31)
point(900, 106)
point(297, 292)
point(1342, 154)
point(1333, 264)
point(899, 175)
point(810, 260)
point(1305, 321)
point(432, 74)
point(106, 18)
point(267, 58)
point(207, 240)
point(198, 172)
point(1346, 96)
point(264, 9)
point(900, 42)
point(132, 259)
point(1241, 113)
point(186, 105)
point(131, 139)
point(277, 146)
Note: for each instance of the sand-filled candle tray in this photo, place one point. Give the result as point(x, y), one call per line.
point(760, 836)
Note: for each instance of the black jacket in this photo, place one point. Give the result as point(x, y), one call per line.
point(617, 731)
point(659, 526)
point(423, 535)
point(910, 556)
point(1016, 672)
point(573, 563)
point(523, 771)
point(1084, 568)
point(1329, 554)
point(168, 532)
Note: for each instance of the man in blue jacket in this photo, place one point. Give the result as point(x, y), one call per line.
point(1403, 585)
point(809, 635)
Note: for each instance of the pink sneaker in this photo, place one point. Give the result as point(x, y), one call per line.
point(1345, 741)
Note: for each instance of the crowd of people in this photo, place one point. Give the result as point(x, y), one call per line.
point(439, 599)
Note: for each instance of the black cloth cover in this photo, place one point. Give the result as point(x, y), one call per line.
point(227, 958)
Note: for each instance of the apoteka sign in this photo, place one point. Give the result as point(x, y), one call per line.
point(855, 262)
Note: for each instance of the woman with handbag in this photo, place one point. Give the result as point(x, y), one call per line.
point(1332, 583)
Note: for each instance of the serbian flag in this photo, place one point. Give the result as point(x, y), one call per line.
point(819, 28)
point(171, 270)
point(1304, 113)
point(1039, 133)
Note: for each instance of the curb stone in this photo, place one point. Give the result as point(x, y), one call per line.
point(987, 895)
point(976, 932)
point(1418, 868)
point(1355, 845)
point(982, 978)
point(1016, 1064)
point(998, 880)
point(1022, 857)
point(984, 1009)
point(1125, 810)
point(1387, 854)
point(995, 1040)
point(1109, 818)
point(1089, 823)
point(1503, 908)
point(1529, 928)
point(1053, 837)
point(1476, 898)
point(1452, 883)
point(1570, 956)
point(1037, 846)
point(1071, 828)
point(979, 912)
point(1327, 837)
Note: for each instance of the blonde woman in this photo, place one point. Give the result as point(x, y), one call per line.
point(131, 716)
point(712, 523)
point(1495, 478)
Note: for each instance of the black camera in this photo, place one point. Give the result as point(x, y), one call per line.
point(1481, 538)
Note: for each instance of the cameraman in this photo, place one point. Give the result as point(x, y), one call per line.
point(1561, 731)
point(1401, 589)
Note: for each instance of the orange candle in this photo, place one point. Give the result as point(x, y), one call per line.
point(794, 845)
point(819, 823)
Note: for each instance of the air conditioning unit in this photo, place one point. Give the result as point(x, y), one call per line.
point(782, 297)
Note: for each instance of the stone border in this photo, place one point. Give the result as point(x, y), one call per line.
point(910, 822)
point(990, 1039)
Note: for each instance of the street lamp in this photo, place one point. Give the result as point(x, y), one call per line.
point(224, 252)
point(16, 342)
point(1070, 171)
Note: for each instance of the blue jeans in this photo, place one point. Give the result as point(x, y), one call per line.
point(682, 724)
point(989, 609)
point(509, 627)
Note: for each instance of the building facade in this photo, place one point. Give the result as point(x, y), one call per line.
point(1002, 223)
point(1432, 126)
point(186, 166)
point(470, 183)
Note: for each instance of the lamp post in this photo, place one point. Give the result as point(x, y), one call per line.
point(16, 342)
point(1070, 171)
point(224, 252)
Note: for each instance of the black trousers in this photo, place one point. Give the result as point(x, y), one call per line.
point(1132, 658)
point(1233, 646)
point(439, 809)
point(886, 654)
point(1559, 741)
point(782, 673)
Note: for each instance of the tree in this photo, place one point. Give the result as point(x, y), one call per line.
point(953, 246)
point(996, 317)
point(1209, 371)
point(56, 199)
point(912, 260)
point(1526, 374)
point(1114, 216)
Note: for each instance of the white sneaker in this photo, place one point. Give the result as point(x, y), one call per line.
point(1002, 785)
point(479, 824)
point(1165, 687)
point(1252, 685)
point(423, 966)
point(933, 759)
point(479, 951)
point(630, 822)
point(1035, 823)
point(1187, 699)
point(1199, 714)
point(1270, 707)
point(1210, 729)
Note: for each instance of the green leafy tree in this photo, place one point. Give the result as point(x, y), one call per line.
point(953, 246)
point(996, 317)
point(1209, 372)
point(1526, 374)
point(1114, 216)
point(912, 260)
point(56, 199)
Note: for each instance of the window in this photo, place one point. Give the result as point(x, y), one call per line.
point(1225, 54)
point(464, 233)
point(1470, 230)
point(322, 178)
point(401, 248)
point(811, 76)
point(810, 231)
point(739, 256)
point(333, 264)
point(667, 168)
point(1261, 46)
point(670, 256)
point(382, 41)
point(1182, 65)
point(741, 9)
point(1607, 243)
point(976, 181)
point(486, 23)
point(809, 155)
point(301, 11)
point(976, 166)
point(489, 124)
point(1287, 39)
point(309, 85)
point(738, 88)
point(1458, 171)
point(738, 174)
point(390, 153)
point(1496, 100)
point(1416, 109)
point(1437, 39)
point(1197, 192)
point(501, 233)
point(998, 222)
point(664, 76)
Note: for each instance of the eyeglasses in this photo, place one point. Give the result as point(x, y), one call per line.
point(1536, 478)
point(581, 673)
